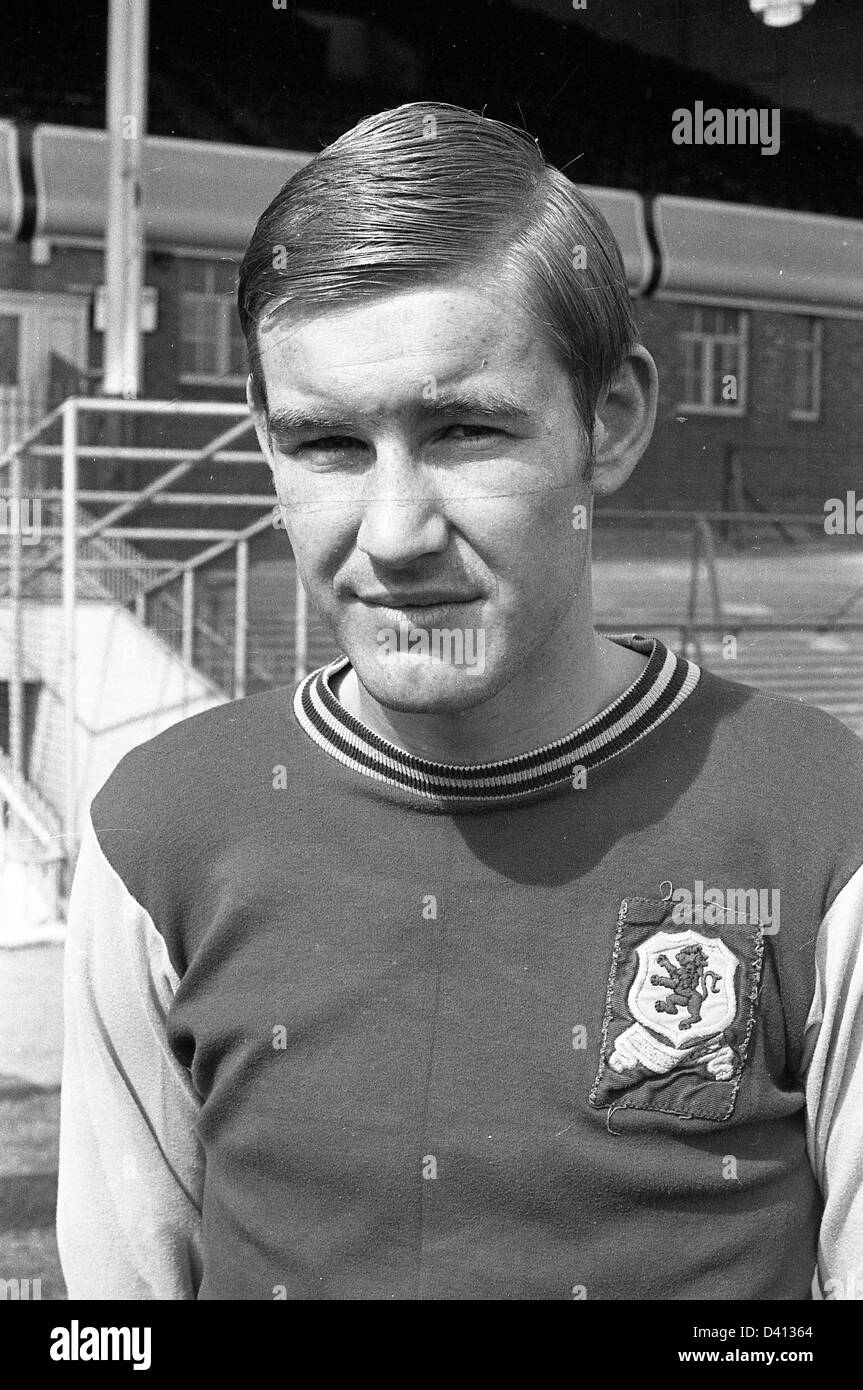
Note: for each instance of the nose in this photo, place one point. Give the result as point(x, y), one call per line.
point(402, 518)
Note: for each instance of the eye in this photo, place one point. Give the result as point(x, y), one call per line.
point(475, 431)
point(336, 442)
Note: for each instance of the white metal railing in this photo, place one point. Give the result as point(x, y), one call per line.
point(199, 641)
point(85, 555)
point(124, 571)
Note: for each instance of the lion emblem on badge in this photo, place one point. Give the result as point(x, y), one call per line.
point(681, 1001)
point(687, 981)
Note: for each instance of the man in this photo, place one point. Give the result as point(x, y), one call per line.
point(400, 986)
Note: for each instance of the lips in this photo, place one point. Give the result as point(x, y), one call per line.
point(425, 611)
point(409, 601)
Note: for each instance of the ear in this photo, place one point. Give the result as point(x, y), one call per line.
point(624, 421)
point(259, 418)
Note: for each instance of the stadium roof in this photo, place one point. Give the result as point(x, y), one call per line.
point(296, 78)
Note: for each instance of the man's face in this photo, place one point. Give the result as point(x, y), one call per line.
point(429, 462)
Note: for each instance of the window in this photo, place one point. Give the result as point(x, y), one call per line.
point(715, 362)
point(211, 343)
point(806, 369)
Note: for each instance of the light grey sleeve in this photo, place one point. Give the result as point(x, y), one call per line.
point(834, 1093)
point(131, 1166)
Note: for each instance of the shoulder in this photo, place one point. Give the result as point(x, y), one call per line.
point(794, 736)
point(790, 771)
point(223, 757)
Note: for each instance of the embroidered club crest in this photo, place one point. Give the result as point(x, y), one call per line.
point(684, 991)
point(679, 1011)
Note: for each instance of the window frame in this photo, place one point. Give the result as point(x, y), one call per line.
point(223, 345)
point(722, 408)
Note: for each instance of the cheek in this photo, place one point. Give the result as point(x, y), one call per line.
point(313, 551)
point(316, 525)
point(533, 532)
point(308, 545)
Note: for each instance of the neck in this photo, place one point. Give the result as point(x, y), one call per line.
point(555, 693)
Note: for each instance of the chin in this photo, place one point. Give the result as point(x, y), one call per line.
point(414, 686)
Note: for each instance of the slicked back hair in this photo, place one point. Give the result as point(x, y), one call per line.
point(430, 193)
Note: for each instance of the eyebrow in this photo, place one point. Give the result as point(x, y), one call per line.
point(485, 405)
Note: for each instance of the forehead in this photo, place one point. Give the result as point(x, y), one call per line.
point(393, 345)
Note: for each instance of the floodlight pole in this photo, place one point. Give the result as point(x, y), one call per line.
point(128, 28)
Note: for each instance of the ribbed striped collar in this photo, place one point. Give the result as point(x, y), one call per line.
point(663, 685)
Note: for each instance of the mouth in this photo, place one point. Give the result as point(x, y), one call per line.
point(427, 612)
